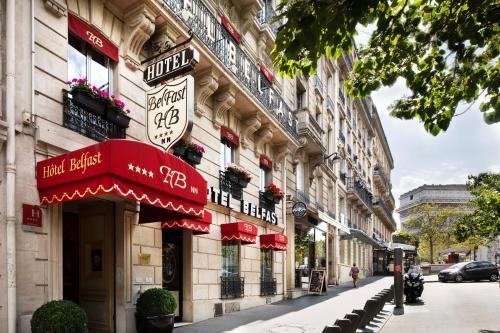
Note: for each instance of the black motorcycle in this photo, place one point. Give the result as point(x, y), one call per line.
point(413, 284)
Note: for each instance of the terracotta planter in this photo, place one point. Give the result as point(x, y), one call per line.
point(117, 118)
point(88, 102)
point(155, 324)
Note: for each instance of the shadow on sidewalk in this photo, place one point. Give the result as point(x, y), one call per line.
point(234, 320)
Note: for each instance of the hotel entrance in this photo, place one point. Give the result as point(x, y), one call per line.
point(89, 260)
point(172, 266)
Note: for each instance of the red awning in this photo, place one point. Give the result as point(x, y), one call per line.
point(273, 241)
point(130, 169)
point(199, 226)
point(243, 231)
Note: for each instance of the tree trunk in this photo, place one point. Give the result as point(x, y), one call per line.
point(431, 250)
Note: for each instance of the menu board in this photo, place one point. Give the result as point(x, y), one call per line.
point(317, 282)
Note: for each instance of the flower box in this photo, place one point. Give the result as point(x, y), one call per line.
point(232, 176)
point(193, 158)
point(88, 102)
point(243, 181)
point(117, 118)
point(269, 196)
point(179, 149)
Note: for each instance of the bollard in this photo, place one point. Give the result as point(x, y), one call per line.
point(344, 324)
point(398, 281)
point(332, 329)
point(355, 319)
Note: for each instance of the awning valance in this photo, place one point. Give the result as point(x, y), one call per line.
point(158, 180)
point(243, 231)
point(274, 241)
point(199, 226)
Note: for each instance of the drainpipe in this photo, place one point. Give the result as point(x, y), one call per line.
point(10, 165)
point(283, 213)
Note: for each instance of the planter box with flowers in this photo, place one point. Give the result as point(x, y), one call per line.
point(189, 152)
point(98, 102)
point(273, 193)
point(238, 175)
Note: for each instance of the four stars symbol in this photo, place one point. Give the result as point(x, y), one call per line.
point(139, 170)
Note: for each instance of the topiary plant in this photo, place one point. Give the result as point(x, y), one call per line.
point(156, 302)
point(59, 316)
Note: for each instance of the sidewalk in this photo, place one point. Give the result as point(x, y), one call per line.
point(304, 314)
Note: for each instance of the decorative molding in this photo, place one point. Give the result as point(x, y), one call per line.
point(56, 7)
point(224, 100)
point(280, 152)
point(263, 136)
point(207, 83)
point(249, 16)
point(315, 161)
point(250, 126)
point(162, 39)
point(140, 25)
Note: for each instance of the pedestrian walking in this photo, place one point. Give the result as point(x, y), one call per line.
point(354, 273)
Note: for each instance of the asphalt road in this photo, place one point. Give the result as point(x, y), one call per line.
point(451, 307)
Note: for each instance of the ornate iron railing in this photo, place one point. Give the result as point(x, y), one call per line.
point(357, 187)
point(267, 286)
point(232, 287)
point(377, 171)
point(200, 20)
point(330, 104)
point(302, 196)
point(318, 84)
point(378, 201)
point(88, 124)
point(230, 186)
point(266, 15)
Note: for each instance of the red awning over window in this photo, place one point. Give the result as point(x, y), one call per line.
point(199, 226)
point(274, 241)
point(92, 37)
point(229, 135)
point(243, 231)
point(167, 187)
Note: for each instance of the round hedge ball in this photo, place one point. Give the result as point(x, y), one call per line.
point(59, 316)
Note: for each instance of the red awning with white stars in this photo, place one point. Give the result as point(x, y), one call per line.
point(167, 187)
point(243, 231)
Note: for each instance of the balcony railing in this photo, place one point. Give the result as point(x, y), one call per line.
point(302, 196)
point(359, 189)
point(230, 186)
point(378, 201)
point(207, 28)
point(342, 137)
point(318, 85)
point(88, 124)
point(266, 15)
point(341, 96)
point(267, 287)
point(377, 171)
point(330, 104)
point(232, 287)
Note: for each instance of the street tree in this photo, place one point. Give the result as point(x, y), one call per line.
point(431, 224)
point(404, 237)
point(446, 51)
point(484, 222)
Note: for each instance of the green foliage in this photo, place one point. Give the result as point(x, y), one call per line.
point(484, 222)
point(446, 51)
point(59, 317)
point(404, 237)
point(155, 302)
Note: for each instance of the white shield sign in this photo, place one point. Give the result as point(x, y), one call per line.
point(169, 111)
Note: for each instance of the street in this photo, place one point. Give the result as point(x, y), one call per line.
point(451, 307)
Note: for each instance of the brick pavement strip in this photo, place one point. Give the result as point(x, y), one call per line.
point(305, 314)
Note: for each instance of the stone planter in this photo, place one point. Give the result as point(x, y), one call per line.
point(117, 118)
point(88, 102)
point(155, 324)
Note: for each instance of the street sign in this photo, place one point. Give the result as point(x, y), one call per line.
point(175, 64)
point(299, 209)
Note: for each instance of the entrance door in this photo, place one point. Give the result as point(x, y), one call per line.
point(172, 266)
point(88, 267)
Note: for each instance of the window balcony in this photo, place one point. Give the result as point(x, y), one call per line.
point(309, 129)
point(318, 85)
point(230, 186)
point(232, 287)
point(265, 17)
point(380, 178)
point(383, 212)
point(87, 123)
point(267, 287)
point(357, 191)
point(330, 105)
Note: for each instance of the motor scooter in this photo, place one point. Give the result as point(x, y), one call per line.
point(413, 284)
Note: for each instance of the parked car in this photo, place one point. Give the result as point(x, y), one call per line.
point(474, 270)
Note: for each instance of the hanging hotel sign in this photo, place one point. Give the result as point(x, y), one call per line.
point(169, 111)
point(175, 64)
point(299, 209)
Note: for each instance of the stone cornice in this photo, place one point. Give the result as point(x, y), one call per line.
point(225, 97)
point(250, 126)
point(207, 84)
point(140, 25)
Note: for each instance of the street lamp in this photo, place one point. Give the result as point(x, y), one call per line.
point(335, 157)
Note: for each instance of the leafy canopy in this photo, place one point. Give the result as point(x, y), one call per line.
point(404, 237)
point(484, 221)
point(447, 51)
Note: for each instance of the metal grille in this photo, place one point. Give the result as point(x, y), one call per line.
point(355, 185)
point(88, 124)
point(266, 203)
point(232, 287)
point(229, 186)
point(267, 286)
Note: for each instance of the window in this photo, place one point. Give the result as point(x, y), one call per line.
point(227, 153)
point(299, 176)
point(301, 96)
point(266, 264)
point(230, 258)
point(264, 177)
point(85, 61)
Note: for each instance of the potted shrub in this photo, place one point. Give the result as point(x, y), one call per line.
point(155, 311)
point(273, 193)
point(59, 316)
point(116, 112)
point(87, 97)
point(194, 153)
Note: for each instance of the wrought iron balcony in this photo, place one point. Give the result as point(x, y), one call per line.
point(267, 286)
point(381, 209)
point(87, 123)
point(266, 15)
point(309, 128)
point(380, 178)
point(264, 202)
point(330, 104)
point(207, 28)
point(318, 85)
point(357, 190)
point(232, 287)
point(341, 96)
point(342, 137)
point(230, 186)
point(302, 196)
